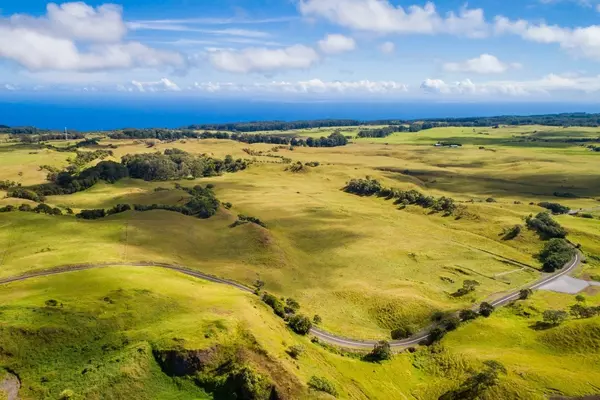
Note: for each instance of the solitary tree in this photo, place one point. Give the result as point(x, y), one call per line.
point(486, 309)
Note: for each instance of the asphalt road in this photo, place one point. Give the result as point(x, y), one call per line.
point(319, 333)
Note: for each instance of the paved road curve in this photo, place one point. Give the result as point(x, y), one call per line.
point(321, 334)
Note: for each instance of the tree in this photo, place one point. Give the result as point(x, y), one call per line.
point(381, 352)
point(468, 315)
point(317, 319)
point(451, 323)
point(300, 324)
point(486, 309)
point(555, 317)
point(291, 306)
point(403, 332)
point(556, 254)
point(524, 294)
point(580, 298)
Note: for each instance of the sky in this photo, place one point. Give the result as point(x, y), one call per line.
point(483, 50)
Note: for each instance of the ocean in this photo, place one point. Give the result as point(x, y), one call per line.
point(88, 113)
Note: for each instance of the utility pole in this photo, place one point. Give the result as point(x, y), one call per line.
point(66, 135)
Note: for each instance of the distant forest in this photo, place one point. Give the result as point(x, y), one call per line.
point(567, 119)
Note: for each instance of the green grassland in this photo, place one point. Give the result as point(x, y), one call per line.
point(100, 337)
point(361, 263)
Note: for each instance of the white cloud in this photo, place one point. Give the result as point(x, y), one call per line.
point(139, 26)
point(313, 86)
point(581, 40)
point(256, 59)
point(484, 64)
point(77, 37)
point(335, 44)
point(163, 85)
point(381, 16)
point(546, 86)
point(9, 87)
point(387, 48)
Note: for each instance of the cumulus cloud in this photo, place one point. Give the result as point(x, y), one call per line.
point(380, 16)
point(484, 64)
point(163, 85)
point(315, 86)
point(581, 40)
point(77, 37)
point(387, 48)
point(334, 44)
point(256, 59)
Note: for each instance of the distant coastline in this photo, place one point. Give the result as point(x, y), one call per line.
point(107, 114)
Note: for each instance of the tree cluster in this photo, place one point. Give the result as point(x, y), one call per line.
point(382, 132)
point(556, 254)
point(177, 164)
point(370, 187)
point(555, 207)
point(545, 226)
point(40, 209)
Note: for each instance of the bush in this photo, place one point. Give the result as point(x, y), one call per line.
point(555, 207)
point(525, 294)
point(513, 233)
point(21, 193)
point(295, 351)
point(8, 208)
point(486, 309)
point(545, 226)
point(119, 208)
point(275, 304)
point(403, 332)
point(300, 324)
point(555, 317)
point(317, 319)
point(381, 352)
point(43, 209)
point(437, 334)
point(468, 287)
point(91, 214)
point(322, 385)
point(25, 207)
point(468, 315)
point(451, 323)
point(291, 306)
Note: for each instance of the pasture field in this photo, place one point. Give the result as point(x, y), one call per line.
point(362, 264)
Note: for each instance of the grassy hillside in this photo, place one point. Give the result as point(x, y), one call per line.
point(109, 335)
point(364, 264)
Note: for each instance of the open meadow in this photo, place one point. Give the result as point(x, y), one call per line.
point(366, 265)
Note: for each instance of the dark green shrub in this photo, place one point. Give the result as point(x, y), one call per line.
point(300, 324)
point(486, 309)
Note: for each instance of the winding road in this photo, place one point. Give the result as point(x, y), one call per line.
point(319, 333)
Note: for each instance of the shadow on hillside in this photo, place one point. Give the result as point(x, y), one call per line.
point(483, 184)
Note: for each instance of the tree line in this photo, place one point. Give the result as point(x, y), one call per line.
point(333, 140)
point(370, 187)
point(202, 204)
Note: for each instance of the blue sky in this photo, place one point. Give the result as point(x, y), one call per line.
point(514, 49)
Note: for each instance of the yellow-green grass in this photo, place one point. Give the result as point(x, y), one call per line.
point(22, 163)
point(98, 342)
point(126, 191)
point(343, 257)
point(561, 360)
